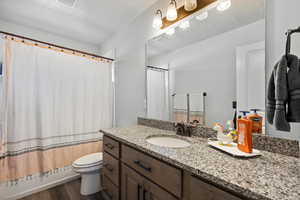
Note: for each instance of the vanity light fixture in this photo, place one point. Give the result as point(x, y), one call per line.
point(223, 5)
point(184, 25)
point(157, 21)
point(187, 9)
point(190, 5)
point(170, 31)
point(202, 16)
point(172, 11)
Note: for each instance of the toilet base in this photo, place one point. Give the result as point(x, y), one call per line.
point(90, 183)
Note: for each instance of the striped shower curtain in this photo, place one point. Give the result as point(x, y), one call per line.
point(52, 107)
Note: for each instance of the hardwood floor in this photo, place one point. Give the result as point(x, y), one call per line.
point(67, 191)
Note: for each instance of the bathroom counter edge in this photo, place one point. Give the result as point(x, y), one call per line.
point(270, 176)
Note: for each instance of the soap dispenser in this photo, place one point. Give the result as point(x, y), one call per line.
point(257, 121)
point(244, 133)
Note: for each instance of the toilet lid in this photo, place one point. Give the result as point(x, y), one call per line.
point(89, 159)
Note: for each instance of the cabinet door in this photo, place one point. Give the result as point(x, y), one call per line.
point(199, 190)
point(136, 187)
point(132, 185)
point(154, 192)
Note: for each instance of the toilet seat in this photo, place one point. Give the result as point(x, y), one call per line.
point(90, 160)
point(89, 167)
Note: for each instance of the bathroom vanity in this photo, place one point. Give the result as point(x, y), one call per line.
point(137, 170)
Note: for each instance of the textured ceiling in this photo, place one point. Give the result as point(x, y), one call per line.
point(89, 21)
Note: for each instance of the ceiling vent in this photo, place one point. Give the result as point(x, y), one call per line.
point(69, 3)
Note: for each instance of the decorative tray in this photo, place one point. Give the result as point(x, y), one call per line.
point(233, 150)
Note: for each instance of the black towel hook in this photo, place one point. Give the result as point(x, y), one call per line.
point(288, 40)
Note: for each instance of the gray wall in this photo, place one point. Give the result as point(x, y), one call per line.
point(280, 16)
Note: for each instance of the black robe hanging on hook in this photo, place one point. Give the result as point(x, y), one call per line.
point(283, 98)
point(293, 76)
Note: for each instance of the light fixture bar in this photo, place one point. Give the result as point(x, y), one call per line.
point(182, 13)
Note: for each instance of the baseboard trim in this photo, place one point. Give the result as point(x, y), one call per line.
point(43, 187)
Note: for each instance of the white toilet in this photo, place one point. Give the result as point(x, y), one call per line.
point(89, 168)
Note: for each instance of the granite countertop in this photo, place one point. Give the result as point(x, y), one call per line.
point(270, 176)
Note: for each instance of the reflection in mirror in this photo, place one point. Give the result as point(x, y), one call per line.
point(157, 93)
point(189, 108)
point(221, 55)
point(250, 76)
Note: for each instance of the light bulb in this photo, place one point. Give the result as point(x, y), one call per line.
point(190, 5)
point(224, 5)
point(172, 11)
point(202, 16)
point(157, 21)
point(170, 31)
point(184, 25)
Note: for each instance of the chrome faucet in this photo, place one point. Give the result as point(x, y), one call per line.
point(184, 129)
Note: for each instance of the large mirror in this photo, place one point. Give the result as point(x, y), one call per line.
point(208, 66)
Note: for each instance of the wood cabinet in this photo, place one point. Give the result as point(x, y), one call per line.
point(111, 191)
point(111, 146)
point(111, 168)
point(136, 187)
point(196, 189)
point(129, 174)
point(131, 185)
point(153, 169)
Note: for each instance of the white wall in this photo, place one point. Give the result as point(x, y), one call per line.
point(281, 15)
point(46, 37)
point(210, 66)
point(130, 53)
point(130, 74)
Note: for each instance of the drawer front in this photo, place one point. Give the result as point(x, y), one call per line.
point(111, 146)
point(110, 190)
point(200, 190)
point(111, 168)
point(161, 173)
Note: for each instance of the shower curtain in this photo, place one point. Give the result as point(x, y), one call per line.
point(52, 107)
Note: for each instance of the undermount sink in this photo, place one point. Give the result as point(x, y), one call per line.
point(168, 141)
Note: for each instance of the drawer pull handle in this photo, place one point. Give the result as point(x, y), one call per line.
point(108, 167)
point(140, 192)
point(141, 165)
point(110, 146)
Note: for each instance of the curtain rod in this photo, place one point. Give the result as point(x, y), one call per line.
point(158, 68)
point(54, 45)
